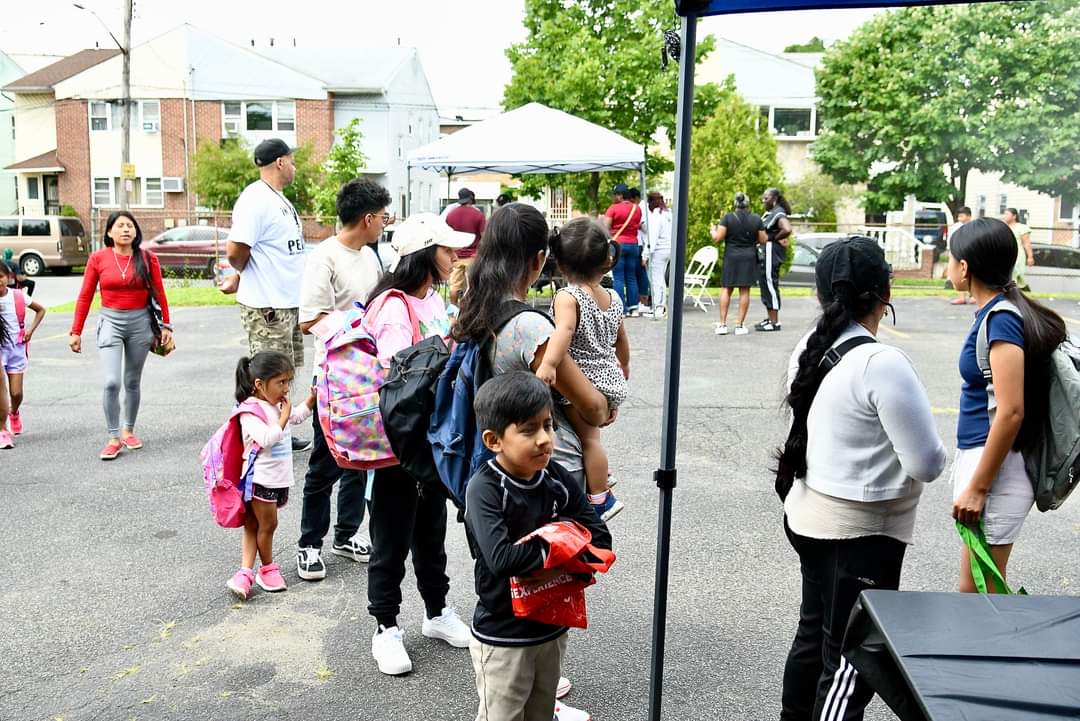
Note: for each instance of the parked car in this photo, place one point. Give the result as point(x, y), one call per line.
point(803, 268)
point(817, 241)
point(1056, 256)
point(196, 247)
point(932, 228)
point(44, 242)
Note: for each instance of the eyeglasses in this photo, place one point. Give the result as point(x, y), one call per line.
point(385, 218)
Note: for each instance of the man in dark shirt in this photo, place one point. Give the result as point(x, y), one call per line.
point(518, 661)
point(467, 218)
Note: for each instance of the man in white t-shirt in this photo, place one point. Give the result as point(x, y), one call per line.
point(266, 246)
point(340, 271)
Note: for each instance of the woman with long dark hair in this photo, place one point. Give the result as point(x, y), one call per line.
point(997, 421)
point(862, 445)
point(773, 252)
point(129, 278)
point(741, 233)
point(404, 309)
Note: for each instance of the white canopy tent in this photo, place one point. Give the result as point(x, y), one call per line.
point(531, 139)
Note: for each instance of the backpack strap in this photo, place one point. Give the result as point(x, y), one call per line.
point(833, 356)
point(982, 351)
point(376, 306)
point(247, 477)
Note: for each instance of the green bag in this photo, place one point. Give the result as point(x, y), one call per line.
point(982, 563)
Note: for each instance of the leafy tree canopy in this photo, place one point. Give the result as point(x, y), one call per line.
point(343, 163)
point(917, 98)
point(813, 45)
point(223, 169)
point(600, 60)
point(815, 195)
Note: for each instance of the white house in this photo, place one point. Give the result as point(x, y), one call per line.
point(1052, 219)
point(9, 70)
point(387, 90)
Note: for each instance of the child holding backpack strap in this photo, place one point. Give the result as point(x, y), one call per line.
point(1002, 407)
point(263, 380)
point(14, 343)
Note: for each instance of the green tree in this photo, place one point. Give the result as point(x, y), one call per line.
point(917, 98)
point(813, 45)
point(223, 169)
point(732, 152)
point(343, 163)
point(815, 196)
point(600, 60)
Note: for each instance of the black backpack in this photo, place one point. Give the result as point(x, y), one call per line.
point(407, 400)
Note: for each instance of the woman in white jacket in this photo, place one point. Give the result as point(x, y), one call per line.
point(659, 251)
point(862, 445)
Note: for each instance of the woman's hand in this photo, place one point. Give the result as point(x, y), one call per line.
point(968, 506)
point(75, 343)
point(166, 336)
point(27, 335)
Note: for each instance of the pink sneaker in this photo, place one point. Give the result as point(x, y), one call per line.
point(240, 583)
point(111, 450)
point(270, 578)
point(6, 441)
point(16, 424)
point(131, 442)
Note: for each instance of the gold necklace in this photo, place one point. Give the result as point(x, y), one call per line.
point(126, 268)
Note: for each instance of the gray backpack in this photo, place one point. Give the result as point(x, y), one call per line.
point(1054, 464)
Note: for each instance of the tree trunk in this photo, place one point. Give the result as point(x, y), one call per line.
point(959, 199)
point(594, 193)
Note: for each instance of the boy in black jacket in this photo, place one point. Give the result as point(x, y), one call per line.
point(517, 661)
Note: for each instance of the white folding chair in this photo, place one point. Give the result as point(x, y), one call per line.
point(699, 271)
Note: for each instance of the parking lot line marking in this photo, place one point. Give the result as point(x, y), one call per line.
point(944, 411)
point(1067, 319)
point(897, 333)
point(58, 336)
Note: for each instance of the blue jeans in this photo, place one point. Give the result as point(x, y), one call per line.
point(625, 275)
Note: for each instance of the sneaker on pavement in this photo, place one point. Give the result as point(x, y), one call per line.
point(309, 564)
point(569, 713)
point(447, 627)
point(240, 583)
point(16, 424)
point(611, 481)
point(270, 579)
point(563, 688)
point(761, 324)
point(741, 330)
point(6, 441)
point(356, 549)
point(609, 508)
point(388, 648)
point(958, 301)
point(299, 445)
point(131, 442)
point(110, 451)
point(720, 329)
point(768, 327)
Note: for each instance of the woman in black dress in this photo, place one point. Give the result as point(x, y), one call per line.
point(740, 232)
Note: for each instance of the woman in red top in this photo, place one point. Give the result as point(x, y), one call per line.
point(623, 219)
point(127, 276)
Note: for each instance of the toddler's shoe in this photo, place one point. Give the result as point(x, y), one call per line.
point(447, 627)
point(609, 508)
point(6, 441)
point(569, 713)
point(270, 578)
point(240, 583)
point(16, 424)
point(131, 442)
point(111, 450)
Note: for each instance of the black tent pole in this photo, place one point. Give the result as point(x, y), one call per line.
point(665, 475)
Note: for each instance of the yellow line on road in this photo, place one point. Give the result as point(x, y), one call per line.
point(944, 411)
point(897, 333)
point(58, 336)
point(1067, 319)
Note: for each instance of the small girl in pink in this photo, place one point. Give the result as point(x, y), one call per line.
point(263, 380)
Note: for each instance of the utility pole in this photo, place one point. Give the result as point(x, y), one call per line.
point(125, 122)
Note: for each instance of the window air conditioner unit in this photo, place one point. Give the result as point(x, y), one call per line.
point(232, 127)
point(151, 126)
point(172, 185)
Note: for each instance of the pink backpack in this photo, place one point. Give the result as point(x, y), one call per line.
point(20, 315)
point(347, 392)
point(226, 471)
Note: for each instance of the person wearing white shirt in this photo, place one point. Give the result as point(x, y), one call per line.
point(659, 245)
point(963, 215)
point(862, 445)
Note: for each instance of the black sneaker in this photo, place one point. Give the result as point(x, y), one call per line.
point(309, 564)
point(767, 327)
point(357, 548)
point(761, 324)
point(299, 445)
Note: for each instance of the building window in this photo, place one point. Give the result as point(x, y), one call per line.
point(286, 116)
point(1003, 203)
point(981, 206)
point(151, 114)
point(1070, 202)
point(32, 190)
point(99, 116)
point(792, 122)
point(232, 110)
point(260, 116)
point(102, 194)
point(153, 192)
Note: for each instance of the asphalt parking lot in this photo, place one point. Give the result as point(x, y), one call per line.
point(115, 605)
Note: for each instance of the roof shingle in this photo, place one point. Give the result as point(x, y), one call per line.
point(50, 75)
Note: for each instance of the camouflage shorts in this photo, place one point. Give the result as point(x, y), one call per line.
point(275, 329)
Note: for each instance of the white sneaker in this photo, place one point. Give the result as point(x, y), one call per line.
point(388, 648)
point(569, 713)
point(645, 309)
point(720, 329)
point(741, 330)
point(447, 627)
point(563, 688)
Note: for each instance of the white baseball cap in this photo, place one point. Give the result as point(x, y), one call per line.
point(423, 230)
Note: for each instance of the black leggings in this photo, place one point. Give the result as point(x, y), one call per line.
point(402, 520)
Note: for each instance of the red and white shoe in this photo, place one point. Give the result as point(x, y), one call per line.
point(131, 442)
point(270, 579)
point(16, 424)
point(569, 713)
point(111, 450)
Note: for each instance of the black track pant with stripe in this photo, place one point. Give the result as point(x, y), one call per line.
point(819, 684)
point(769, 274)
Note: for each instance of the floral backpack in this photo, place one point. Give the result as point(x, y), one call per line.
point(347, 387)
point(226, 470)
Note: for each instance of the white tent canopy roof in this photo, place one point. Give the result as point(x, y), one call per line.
point(531, 139)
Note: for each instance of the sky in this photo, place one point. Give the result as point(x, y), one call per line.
point(462, 43)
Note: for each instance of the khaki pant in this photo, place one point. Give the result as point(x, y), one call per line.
point(276, 329)
point(518, 683)
point(458, 280)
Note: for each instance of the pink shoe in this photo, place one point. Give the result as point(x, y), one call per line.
point(131, 442)
point(16, 424)
point(958, 301)
point(111, 450)
point(6, 441)
point(240, 583)
point(270, 578)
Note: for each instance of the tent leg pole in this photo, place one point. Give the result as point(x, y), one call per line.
point(665, 475)
point(408, 191)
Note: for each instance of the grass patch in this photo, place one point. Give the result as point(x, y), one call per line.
point(196, 296)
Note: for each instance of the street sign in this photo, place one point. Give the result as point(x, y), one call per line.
point(127, 171)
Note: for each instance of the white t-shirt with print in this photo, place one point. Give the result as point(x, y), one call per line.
point(265, 221)
point(8, 317)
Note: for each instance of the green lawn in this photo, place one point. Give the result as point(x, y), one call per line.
point(178, 298)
